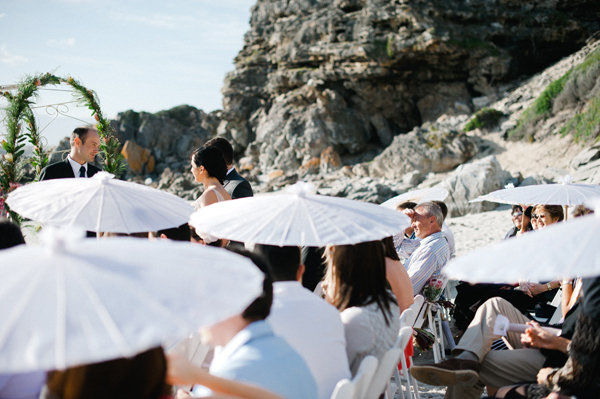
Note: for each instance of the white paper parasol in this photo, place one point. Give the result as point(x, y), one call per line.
point(296, 217)
point(424, 195)
point(563, 193)
point(566, 249)
point(71, 302)
point(100, 203)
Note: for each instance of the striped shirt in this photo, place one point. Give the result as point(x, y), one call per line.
point(426, 257)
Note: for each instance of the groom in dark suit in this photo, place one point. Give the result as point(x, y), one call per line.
point(85, 144)
point(234, 184)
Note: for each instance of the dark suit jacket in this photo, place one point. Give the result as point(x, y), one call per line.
point(237, 186)
point(63, 169)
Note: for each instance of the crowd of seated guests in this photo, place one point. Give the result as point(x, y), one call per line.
point(291, 343)
point(548, 363)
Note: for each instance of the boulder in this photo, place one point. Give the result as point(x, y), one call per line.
point(139, 158)
point(588, 173)
point(303, 123)
point(330, 161)
point(584, 157)
point(170, 136)
point(426, 152)
point(471, 180)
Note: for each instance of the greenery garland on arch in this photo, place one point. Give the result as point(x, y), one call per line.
point(19, 111)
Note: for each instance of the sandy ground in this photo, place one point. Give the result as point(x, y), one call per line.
point(531, 158)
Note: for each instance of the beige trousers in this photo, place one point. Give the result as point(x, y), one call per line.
point(498, 368)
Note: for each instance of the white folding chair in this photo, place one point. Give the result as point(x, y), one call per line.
point(556, 316)
point(407, 318)
point(344, 389)
point(192, 349)
point(381, 378)
point(363, 376)
point(419, 307)
point(401, 343)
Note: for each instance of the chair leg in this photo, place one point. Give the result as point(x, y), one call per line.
point(415, 386)
point(406, 374)
point(398, 386)
point(436, 354)
point(438, 323)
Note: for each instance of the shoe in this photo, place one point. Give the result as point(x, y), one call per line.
point(450, 372)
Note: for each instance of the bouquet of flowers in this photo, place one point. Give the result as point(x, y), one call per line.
point(433, 289)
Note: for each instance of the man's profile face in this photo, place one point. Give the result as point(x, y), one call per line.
point(88, 149)
point(423, 225)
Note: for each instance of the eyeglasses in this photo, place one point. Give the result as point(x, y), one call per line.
point(517, 214)
point(540, 216)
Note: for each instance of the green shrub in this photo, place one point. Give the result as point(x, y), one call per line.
point(485, 118)
point(585, 125)
point(564, 92)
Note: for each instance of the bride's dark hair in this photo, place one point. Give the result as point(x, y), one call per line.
point(212, 160)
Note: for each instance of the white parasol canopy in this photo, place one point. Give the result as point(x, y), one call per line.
point(297, 217)
point(563, 193)
point(76, 301)
point(423, 195)
point(100, 203)
point(566, 249)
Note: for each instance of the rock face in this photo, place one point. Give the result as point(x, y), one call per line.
point(354, 74)
point(471, 180)
point(423, 151)
point(168, 136)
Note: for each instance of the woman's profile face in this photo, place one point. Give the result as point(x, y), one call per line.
point(517, 218)
point(196, 171)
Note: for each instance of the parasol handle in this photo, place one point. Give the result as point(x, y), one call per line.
point(566, 211)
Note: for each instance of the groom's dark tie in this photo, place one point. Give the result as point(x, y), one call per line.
point(82, 171)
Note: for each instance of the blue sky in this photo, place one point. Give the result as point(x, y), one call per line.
point(143, 55)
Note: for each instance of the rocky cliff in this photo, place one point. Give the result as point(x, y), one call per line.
point(354, 74)
point(368, 99)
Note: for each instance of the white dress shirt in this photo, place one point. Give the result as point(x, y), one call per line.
point(76, 166)
point(314, 329)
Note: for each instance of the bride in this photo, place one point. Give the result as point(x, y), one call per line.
point(209, 168)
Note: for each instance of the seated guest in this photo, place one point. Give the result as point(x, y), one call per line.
point(579, 375)
point(181, 233)
point(142, 376)
point(547, 215)
point(355, 283)
point(521, 221)
point(309, 324)
point(181, 371)
point(581, 210)
point(427, 255)
point(476, 365)
point(314, 266)
point(10, 234)
point(397, 276)
point(252, 353)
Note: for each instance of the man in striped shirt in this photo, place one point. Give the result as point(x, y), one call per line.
point(430, 252)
